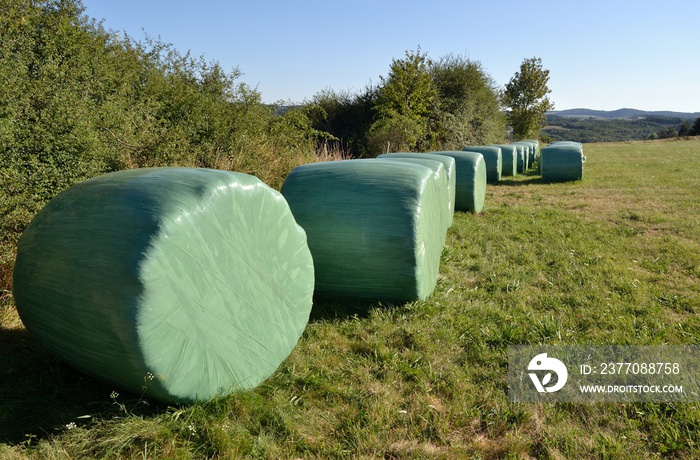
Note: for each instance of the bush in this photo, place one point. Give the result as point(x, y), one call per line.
point(345, 116)
point(79, 101)
point(469, 106)
point(667, 133)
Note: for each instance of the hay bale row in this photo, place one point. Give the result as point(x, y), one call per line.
point(516, 157)
point(534, 150)
point(184, 284)
point(507, 160)
point(560, 161)
point(531, 149)
point(471, 180)
point(513, 159)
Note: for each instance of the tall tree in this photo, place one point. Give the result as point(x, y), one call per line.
point(685, 128)
point(469, 110)
point(406, 100)
point(695, 130)
point(526, 98)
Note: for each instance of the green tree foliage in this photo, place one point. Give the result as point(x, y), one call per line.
point(685, 128)
point(345, 116)
point(590, 129)
point(525, 96)
point(77, 101)
point(422, 104)
point(667, 133)
point(406, 100)
point(469, 109)
point(695, 130)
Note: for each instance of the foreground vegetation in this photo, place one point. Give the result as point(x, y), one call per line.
point(614, 258)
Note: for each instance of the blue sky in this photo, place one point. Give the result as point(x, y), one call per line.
point(601, 54)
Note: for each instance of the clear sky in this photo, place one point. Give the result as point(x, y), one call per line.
point(601, 54)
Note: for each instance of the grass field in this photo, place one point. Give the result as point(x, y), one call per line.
point(612, 259)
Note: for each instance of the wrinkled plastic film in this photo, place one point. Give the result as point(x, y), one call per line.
point(190, 283)
point(493, 159)
point(444, 170)
point(562, 161)
point(471, 180)
point(374, 227)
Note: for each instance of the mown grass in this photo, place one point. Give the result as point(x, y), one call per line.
point(614, 258)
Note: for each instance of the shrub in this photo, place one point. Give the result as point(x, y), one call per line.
point(79, 101)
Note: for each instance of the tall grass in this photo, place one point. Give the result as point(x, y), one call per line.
point(614, 258)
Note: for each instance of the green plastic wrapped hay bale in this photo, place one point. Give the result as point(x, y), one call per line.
point(188, 283)
point(374, 227)
point(562, 161)
point(440, 183)
point(471, 180)
point(448, 164)
point(522, 152)
point(493, 159)
point(527, 157)
point(512, 159)
point(534, 149)
point(529, 152)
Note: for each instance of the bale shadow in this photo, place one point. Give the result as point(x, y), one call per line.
point(334, 309)
point(338, 309)
point(533, 177)
point(41, 396)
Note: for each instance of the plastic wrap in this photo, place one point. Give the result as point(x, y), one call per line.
point(530, 150)
point(534, 150)
point(493, 159)
point(180, 283)
point(448, 165)
point(471, 180)
point(512, 159)
point(562, 161)
point(374, 227)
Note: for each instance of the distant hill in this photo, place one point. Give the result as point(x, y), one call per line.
point(585, 125)
point(621, 113)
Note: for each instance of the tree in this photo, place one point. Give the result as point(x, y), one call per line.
point(695, 130)
point(469, 109)
point(77, 101)
point(526, 98)
point(421, 105)
point(684, 129)
point(346, 116)
point(406, 101)
point(667, 133)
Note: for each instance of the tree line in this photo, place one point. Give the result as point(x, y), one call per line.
point(420, 105)
point(685, 129)
point(78, 101)
point(425, 104)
